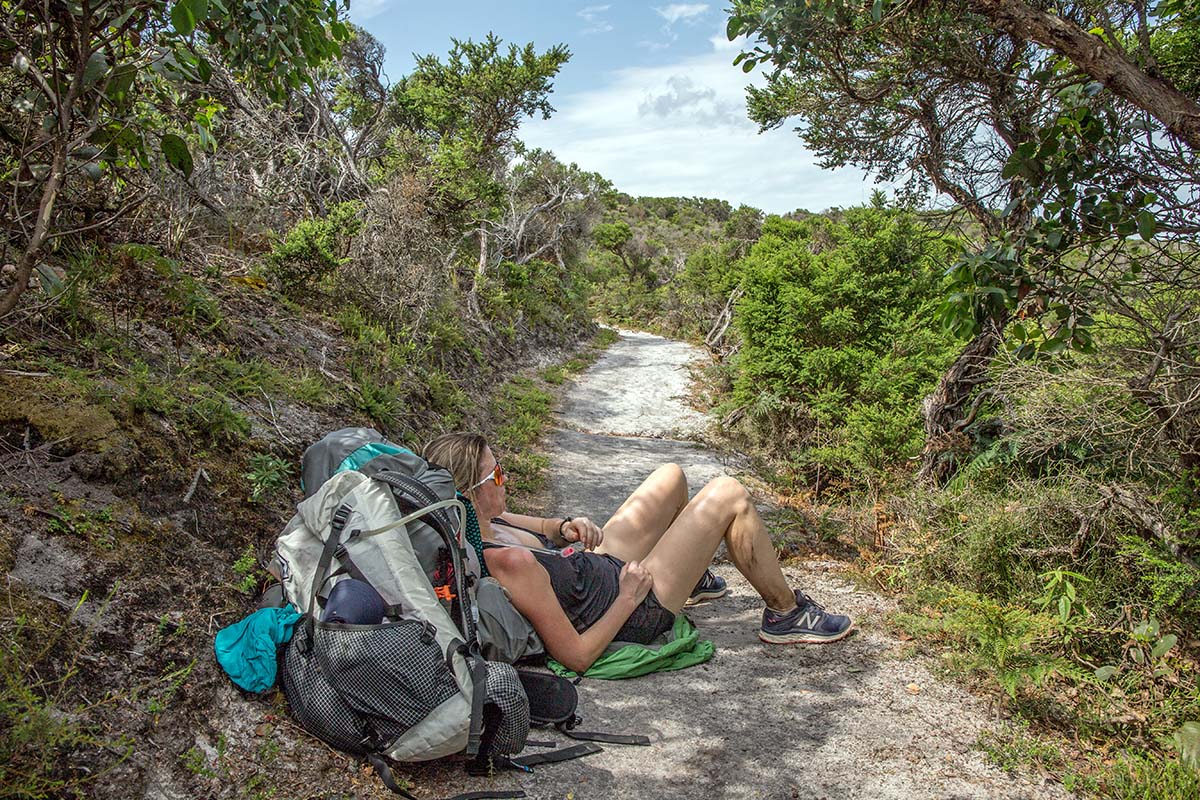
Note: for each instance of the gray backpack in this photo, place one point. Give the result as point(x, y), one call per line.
point(416, 686)
point(504, 634)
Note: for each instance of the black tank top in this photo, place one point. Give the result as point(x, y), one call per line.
point(585, 583)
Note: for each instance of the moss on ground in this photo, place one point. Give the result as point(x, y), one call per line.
point(56, 414)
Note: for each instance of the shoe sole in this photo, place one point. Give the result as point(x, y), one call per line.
point(702, 596)
point(771, 638)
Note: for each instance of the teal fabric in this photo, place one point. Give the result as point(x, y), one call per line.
point(683, 648)
point(473, 534)
point(365, 453)
point(247, 649)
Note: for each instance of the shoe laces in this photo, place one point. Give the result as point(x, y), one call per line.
point(804, 601)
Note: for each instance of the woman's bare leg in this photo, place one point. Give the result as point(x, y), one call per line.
point(721, 510)
point(632, 532)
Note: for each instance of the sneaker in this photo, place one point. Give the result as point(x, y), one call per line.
point(807, 623)
point(709, 587)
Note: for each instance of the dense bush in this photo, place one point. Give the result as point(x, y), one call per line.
point(838, 342)
point(315, 248)
point(667, 264)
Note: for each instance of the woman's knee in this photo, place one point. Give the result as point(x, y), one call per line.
point(671, 477)
point(729, 490)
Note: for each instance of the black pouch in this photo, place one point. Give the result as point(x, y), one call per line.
point(552, 700)
point(555, 701)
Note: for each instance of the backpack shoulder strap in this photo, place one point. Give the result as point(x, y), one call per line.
point(321, 574)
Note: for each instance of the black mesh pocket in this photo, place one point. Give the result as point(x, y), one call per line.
point(506, 694)
point(363, 679)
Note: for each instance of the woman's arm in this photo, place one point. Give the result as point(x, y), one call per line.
point(546, 526)
point(529, 585)
point(578, 529)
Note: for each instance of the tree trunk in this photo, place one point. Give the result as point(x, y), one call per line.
point(481, 265)
point(945, 411)
point(1108, 65)
point(41, 230)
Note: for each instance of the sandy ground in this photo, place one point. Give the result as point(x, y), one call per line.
point(856, 719)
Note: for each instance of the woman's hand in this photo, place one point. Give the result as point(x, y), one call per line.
point(584, 531)
point(635, 582)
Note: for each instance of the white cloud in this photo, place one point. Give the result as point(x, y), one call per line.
point(688, 12)
point(361, 10)
point(681, 130)
point(722, 43)
point(685, 101)
point(677, 11)
point(654, 47)
point(593, 16)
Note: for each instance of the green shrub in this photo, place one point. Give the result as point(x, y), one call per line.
point(149, 392)
point(1140, 777)
point(211, 417)
point(537, 293)
point(382, 402)
point(314, 248)
point(247, 570)
point(838, 341)
point(268, 474)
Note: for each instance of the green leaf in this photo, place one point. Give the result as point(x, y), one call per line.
point(1187, 739)
point(175, 150)
point(182, 18)
point(1053, 346)
point(120, 83)
point(1146, 224)
point(1137, 655)
point(1164, 644)
point(733, 28)
point(1105, 672)
point(199, 9)
point(96, 66)
point(51, 283)
point(877, 10)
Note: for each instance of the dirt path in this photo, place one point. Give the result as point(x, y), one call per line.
point(758, 721)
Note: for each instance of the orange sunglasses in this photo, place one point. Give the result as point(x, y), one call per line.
point(497, 475)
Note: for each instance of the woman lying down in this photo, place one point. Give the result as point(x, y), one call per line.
point(628, 580)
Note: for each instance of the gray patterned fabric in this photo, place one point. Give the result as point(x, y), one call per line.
point(388, 678)
point(505, 692)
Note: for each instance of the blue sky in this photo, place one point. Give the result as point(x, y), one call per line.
point(650, 98)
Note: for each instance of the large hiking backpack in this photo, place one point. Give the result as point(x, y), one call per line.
point(415, 687)
point(504, 635)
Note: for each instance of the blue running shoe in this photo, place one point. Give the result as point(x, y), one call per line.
point(709, 587)
point(807, 623)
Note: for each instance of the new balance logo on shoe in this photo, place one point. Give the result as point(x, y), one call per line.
point(810, 620)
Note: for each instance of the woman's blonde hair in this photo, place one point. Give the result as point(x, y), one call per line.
point(460, 453)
